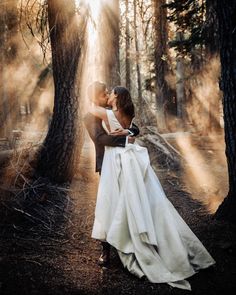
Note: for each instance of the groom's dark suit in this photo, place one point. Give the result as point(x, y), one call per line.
point(102, 139)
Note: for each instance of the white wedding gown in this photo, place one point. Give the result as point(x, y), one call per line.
point(134, 215)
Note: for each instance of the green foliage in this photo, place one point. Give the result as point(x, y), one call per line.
point(188, 17)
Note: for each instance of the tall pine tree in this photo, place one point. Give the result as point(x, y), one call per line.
point(58, 157)
point(226, 12)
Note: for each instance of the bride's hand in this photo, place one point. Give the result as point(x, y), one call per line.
point(120, 132)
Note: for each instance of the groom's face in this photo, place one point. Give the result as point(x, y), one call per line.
point(103, 98)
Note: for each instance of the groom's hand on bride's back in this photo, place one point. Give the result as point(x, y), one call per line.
point(124, 132)
point(120, 132)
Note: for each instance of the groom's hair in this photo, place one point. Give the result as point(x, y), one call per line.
point(95, 89)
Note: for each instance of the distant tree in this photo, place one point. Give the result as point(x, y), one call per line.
point(196, 24)
point(161, 59)
point(211, 29)
point(127, 46)
point(180, 85)
point(58, 157)
point(211, 42)
point(188, 17)
point(137, 57)
point(226, 13)
point(8, 52)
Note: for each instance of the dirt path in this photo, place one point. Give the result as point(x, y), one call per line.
point(65, 262)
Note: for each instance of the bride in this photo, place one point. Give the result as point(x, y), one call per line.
point(133, 213)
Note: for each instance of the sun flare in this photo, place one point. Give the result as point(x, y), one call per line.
point(93, 5)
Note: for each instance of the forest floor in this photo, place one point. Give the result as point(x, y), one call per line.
point(64, 260)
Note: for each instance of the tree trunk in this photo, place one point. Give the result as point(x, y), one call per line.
point(226, 12)
point(58, 157)
point(211, 30)
point(8, 100)
point(144, 115)
point(109, 38)
point(160, 60)
point(180, 90)
point(127, 46)
point(180, 87)
point(214, 113)
point(141, 107)
point(211, 33)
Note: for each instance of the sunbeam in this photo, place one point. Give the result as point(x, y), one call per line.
point(94, 6)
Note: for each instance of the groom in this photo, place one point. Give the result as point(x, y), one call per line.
point(98, 94)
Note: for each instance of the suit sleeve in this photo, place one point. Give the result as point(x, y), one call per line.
point(99, 135)
point(134, 129)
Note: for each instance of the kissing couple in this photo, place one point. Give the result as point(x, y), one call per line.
point(132, 213)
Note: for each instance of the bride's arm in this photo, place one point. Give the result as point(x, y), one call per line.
point(99, 135)
point(101, 113)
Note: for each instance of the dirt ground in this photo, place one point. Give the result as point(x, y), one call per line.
point(63, 260)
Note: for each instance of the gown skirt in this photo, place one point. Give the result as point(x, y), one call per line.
point(134, 215)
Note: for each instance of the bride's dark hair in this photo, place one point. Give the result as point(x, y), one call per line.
point(124, 101)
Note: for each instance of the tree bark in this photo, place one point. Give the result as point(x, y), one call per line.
point(58, 158)
point(226, 13)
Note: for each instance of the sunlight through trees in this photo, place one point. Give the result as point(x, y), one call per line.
point(165, 52)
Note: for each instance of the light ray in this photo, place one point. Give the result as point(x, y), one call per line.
point(94, 7)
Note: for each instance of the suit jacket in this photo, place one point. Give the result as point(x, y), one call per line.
point(102, 139)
